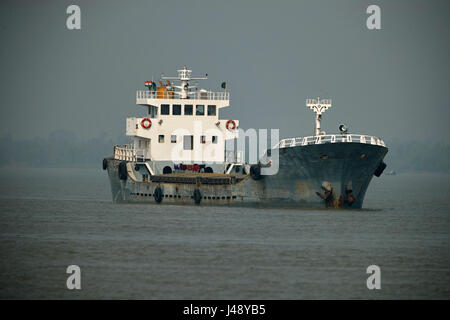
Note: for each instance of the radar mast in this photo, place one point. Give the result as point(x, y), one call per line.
point(318, 106)
point(184, 76)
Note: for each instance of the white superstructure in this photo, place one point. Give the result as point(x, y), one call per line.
point(182, 124)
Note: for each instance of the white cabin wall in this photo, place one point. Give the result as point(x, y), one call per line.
point(195, 125)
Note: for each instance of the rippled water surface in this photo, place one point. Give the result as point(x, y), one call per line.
point(53, 218)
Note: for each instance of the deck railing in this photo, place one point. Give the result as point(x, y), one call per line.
point(329, 138)
point(129, 153)
point(200, 95)
point(125, 152)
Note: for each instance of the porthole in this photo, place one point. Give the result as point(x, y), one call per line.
point(167, 170)
point(208, 170)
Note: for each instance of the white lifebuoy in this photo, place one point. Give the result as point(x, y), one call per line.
point(146, 123)
point(230, 125)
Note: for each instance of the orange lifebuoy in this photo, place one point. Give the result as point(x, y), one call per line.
point(146, 123)
point(230, 125)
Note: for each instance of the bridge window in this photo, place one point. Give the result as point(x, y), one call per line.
point(165, 109)
point(200, 110)
point(176, 109)
point(173, 138)
point(152, 111)
point(202, 139)
point(161, 138)
point(188, 109)
point(211, 110)
point(214, 139)
point(188, 142)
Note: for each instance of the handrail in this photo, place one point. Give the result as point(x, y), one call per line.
point(125, 152)
point(329, 138)
point(199, 95)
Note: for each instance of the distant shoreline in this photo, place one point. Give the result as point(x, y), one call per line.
point(62, 166)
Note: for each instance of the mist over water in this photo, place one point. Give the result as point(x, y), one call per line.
point(53, 218)
point(65, 95)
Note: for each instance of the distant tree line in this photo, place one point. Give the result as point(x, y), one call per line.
point(63, 148)
point(408, 156)
point(60, 148)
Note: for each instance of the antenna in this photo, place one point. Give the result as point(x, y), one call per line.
point(318, 106)
point(184, 75)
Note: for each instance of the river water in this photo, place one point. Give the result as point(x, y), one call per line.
point(53, 218)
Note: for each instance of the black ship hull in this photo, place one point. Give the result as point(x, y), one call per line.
point(330, 175)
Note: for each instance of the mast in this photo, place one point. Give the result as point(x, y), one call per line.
point(184, 76)
point(318, 106)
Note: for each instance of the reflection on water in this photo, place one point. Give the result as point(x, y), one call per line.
point(52, 218)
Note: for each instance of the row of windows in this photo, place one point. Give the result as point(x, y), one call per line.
point(188, 141)
point(188, 110)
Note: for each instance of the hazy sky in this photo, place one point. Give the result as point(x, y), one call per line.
point(392, 83)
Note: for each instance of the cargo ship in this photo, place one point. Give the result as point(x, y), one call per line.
point(178, 154)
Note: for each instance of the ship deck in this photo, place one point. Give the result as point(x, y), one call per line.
point(198, 178)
